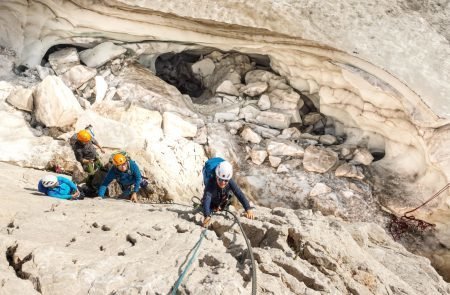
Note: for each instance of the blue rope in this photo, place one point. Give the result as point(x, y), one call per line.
point(180, 278)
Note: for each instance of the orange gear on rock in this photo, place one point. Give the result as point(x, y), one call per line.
point(119, 159)
point(84, 136)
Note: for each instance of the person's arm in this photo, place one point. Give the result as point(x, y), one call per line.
point(137, 176)
point(108, 178)
point(95, 142)
point(207, 198)
point(239, 194)
point(78, 155)
point(55, 194)
point(69, 182)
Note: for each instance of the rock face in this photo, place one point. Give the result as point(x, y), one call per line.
point(51, 246)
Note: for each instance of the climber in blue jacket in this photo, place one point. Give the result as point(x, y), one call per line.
point(127, 174)
point(218, 191)
point(58, 187)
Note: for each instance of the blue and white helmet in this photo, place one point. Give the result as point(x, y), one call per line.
point(224, 170)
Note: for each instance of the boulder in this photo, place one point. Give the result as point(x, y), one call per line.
point(251, 136)
point(350, 171)
point(101, 54)
point(362, 156)
point(174, 125)
point(274, 119)
point(227, 87)
point(258, 155)
point(311, 118)
point(55, 105)
point(77, 76)
point(290, 134)
point(254, 89)
point(63, 60)
point(249, 113)
point(318, 159)
point(327, 139)
point(21, 98)
point(280, 147)
point(264, 102)
point(204, 67)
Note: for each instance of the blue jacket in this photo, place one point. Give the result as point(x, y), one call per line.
point(213, 195)
point(126, 179)
point(63, 190)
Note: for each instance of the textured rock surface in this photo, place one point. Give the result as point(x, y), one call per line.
point(111, 246)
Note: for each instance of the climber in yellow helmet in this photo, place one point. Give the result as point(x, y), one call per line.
point(126, 172)
point(83, 144)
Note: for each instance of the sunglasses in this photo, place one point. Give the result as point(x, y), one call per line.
point(222, 180)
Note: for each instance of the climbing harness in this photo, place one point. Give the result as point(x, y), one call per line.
point(399, 225)
point(197, 204)
point(194, 254)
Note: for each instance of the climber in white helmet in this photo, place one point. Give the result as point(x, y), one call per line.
point(58, 187)
point(219, 188)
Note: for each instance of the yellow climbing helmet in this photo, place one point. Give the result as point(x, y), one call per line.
point(119, 159)
point(84, 136)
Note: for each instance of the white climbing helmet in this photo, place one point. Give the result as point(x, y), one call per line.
point(224, 170)
point(49, 180)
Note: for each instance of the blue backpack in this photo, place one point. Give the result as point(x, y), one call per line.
point(209, 169)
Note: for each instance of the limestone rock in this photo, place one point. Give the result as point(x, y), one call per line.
point(274, 161)
point(43, 72)
point(249, 113)
point(174, 125)
point(279, 147)
point(204, 67)
point(101, 54)
point(311, 118)
point(77, 76)
point(258, 155)
point(107, 131)
point(264, 102)
point(254, 89)
point(227, 87)
point(55, 105)
point(290, 134)
point(348, 170)
point(63, 60)
point(21, 147)
point(249, 135)
point(274, 119)
point(327, 139)
point(319, 159)
point(362, 156)
point(21, 98)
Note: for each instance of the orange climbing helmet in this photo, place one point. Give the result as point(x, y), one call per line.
point(119, 159)
point(84, 136)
